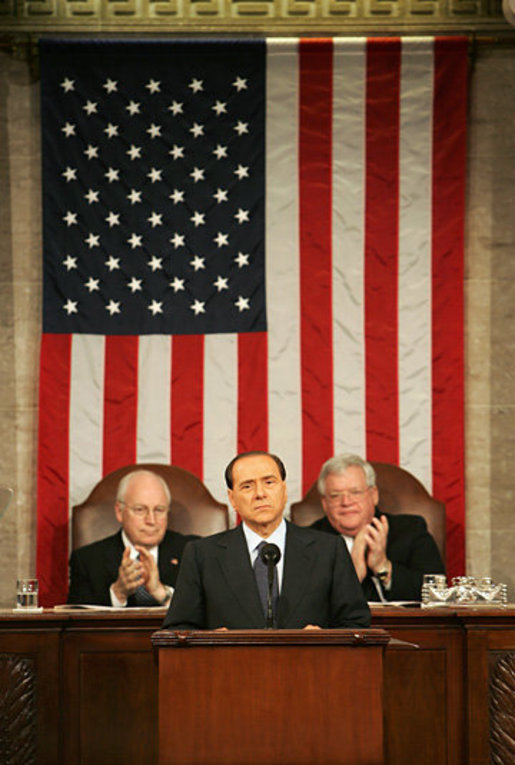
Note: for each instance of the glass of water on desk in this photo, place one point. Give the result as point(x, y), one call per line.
point(27, 593)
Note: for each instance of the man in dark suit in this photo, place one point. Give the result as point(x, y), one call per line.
point(138, 565)
point(217, 587)
point(391, 553)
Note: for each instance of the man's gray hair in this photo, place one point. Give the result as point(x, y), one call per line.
point(339, 464)
point(124, 483)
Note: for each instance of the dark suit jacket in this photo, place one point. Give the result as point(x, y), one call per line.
point(412, 551)
point(216, 586)
point(94, 567)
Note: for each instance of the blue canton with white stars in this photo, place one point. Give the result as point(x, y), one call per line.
point(153, 187)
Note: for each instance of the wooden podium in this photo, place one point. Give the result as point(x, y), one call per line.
point(271, 697)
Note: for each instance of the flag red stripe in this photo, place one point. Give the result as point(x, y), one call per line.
point(315, 201)
point(53, 487)
point(381, 250)
point(120, 402)
point(187, 393)
point(449, 146)
point(252, 391)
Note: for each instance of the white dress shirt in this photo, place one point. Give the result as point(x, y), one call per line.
point(278, 537)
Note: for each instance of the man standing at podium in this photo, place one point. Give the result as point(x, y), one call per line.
point(220, 581)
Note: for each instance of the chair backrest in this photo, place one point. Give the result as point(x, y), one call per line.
point(193, 510)
point(399, 492)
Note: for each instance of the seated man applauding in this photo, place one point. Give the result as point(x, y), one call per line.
point(391, 553)
point(138, 565)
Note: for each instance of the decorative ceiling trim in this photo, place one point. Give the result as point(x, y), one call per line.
point(251, 17)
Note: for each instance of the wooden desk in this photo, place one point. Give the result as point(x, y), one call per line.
point(80, 688)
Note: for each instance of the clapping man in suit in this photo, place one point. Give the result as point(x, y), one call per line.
point(138, 565)
point(217, 587)
point(391, 553)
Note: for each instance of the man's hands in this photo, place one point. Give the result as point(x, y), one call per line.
point(134, 573)
point(369, 549)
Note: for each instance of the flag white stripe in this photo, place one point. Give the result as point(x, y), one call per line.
point(414, 318)
point(220, 409)
point(86, 415)
point(153, 418)
point(349, 91)
point(282, 262)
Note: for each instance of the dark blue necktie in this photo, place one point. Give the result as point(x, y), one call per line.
point(143, 598)
point(261, 572)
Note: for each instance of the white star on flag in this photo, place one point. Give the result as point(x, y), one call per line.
point(91, 152)
point(93, 240)
point(70, 306)
point(68, 129)
point(198, 307)
point(111, 86)
point(153, 86)
point(177, 240)
point(134, 240)
point(92, 284)
point(155, 219)
point(242, 304)
point(221, 240)
point(242, 259)
point(155, 307)
point(155, 263)
point(70, 174)
point(135, 285)
point(91, 196)
point(221, 283)
point(112, 174)
point(112, 263)
point(69, 262)
point(197, 263)
point(113, 219)
point(177, 284)
point(242, 216)
point(113, 307)
point(196, 85)
point(197, 218)
point(70, 218)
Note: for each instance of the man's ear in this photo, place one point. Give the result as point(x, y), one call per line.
point(230, 495)
point(118, 511)
point(375, 494)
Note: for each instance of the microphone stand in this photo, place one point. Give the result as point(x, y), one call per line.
point(269, 610)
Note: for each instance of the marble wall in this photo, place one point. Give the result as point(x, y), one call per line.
point(489, 294)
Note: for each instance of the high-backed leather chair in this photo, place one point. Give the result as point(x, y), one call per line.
point(399, 492)
point(193, 510)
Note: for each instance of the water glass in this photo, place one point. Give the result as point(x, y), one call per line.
point(27, 593)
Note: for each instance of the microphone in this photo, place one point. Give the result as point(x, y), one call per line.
point(270, 555)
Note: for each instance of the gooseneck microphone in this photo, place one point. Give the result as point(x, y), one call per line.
point(270, 555)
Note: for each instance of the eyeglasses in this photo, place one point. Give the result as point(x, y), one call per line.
point(353, 494)
point(140, 510)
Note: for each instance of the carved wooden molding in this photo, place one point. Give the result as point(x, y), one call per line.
point(251, 16)
point(502, 710)
point(17, 710)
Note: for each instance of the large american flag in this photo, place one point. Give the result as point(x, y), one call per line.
point(250, 245)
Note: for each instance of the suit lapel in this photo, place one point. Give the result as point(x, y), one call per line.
point(299, 559)
point(233, 558)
